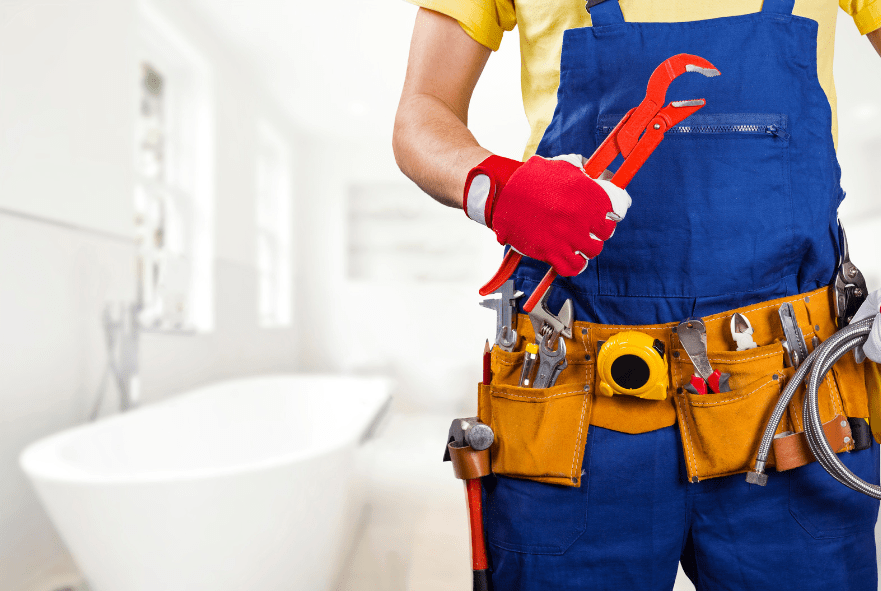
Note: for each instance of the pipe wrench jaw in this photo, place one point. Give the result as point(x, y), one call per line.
point(671, 69)
point(641, 117)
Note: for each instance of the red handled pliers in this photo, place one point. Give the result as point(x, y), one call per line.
point(635, 137)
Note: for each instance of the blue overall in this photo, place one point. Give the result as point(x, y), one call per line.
point(737, 205)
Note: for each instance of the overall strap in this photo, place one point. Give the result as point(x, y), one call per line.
point(606, 12)
point(778, 6)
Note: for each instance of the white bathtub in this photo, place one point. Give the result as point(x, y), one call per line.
point(247, 484)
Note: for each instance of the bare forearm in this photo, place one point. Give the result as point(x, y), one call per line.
point(434, 147)
point(431, 140)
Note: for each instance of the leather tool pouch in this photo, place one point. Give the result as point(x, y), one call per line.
point(468, 463)
point(721, 432)
point(539, 432)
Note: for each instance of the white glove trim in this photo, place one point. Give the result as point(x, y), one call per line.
point(872, 347)
point(478, 193)
point(620, 199)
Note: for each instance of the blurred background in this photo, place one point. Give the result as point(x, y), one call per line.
point(223, 171)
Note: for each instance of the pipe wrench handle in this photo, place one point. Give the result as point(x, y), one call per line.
point(509, 264)
point(540, 290)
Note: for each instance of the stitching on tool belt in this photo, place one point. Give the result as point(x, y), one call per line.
point(796, 416)
point(687, 434)
point(585, 339)
point(631, 327)
point(587, 380)
point(578, 442)
point(503, 362)
point(728, 360)
point(836, 395)
point(497, 392)
point(677, 365)
point(742, 396)
point(723, 315)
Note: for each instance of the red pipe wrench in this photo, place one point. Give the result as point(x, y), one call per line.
point(635, 137)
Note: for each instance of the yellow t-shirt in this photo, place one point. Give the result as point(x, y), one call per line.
point(542, 23)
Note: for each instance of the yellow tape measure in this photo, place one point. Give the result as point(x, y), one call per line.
point(633, 363)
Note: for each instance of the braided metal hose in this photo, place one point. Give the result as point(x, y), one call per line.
point(817, 364)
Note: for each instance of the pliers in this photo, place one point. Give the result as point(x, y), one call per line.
point(850, 286)
point(693, 338)
point(635, 138)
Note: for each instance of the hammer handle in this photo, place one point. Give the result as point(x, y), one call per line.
point(479, 562)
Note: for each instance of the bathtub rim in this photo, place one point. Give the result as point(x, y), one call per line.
point(41, 462)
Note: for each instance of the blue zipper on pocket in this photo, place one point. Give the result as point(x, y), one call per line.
point(739, 124)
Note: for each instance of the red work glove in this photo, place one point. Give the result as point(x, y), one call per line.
point(546, 209)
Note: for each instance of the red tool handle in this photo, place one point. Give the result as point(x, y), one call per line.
point(475, 516)
point(715, 384)
point(509, 263)
point(698, 384)
point(634, 137)
point(540, 290)
point(604, 155)
point(621, 179)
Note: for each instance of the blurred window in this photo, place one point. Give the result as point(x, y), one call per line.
point(173, 186)
point(273, 229)
point(396, 233)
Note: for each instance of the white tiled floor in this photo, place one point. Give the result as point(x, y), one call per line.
point(415, 532)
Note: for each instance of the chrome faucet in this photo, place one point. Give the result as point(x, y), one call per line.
point(122, 338)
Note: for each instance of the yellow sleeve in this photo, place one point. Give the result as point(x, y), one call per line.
point(483, 20)
point(866, 13)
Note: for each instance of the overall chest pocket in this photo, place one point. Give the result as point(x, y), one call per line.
point(712, 210)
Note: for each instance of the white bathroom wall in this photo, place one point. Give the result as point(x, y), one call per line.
point(66, 103)
point(237, 345)
point(65, 235)
point(68, 77)
point(858, 82)
point(428, 334)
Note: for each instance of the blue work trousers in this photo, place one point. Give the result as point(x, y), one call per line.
point(635, 517)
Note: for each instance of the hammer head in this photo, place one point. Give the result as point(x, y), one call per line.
point(468, 432)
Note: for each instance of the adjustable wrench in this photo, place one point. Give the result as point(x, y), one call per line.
point(506, 336)
point(551, 363)
point(549, 328)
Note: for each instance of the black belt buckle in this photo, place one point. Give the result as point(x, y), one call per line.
point(862, 435)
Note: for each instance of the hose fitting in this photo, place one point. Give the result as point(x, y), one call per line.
point(814, 369)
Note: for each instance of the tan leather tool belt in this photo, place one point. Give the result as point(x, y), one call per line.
point(540, 432)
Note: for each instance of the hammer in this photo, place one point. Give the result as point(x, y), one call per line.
point(468, 445)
